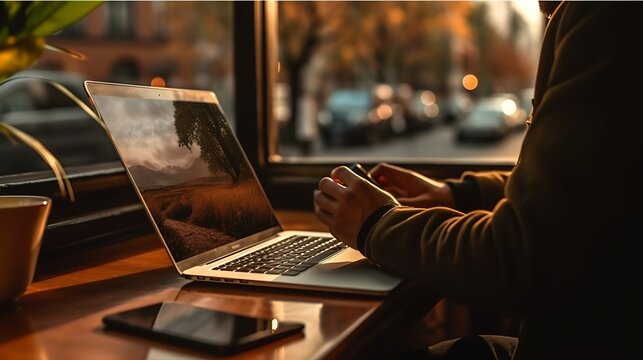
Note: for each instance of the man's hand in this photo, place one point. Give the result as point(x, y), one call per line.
point(345, 200)
point(411, 188)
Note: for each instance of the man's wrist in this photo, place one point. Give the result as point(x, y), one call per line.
point(368, 224)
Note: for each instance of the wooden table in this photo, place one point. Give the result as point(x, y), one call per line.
point(60, 315)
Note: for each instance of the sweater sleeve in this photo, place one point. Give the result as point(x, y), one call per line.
point(478, 190)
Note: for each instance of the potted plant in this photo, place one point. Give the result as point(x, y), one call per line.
point(24, 27)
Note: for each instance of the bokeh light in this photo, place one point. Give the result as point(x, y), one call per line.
point(470, 82)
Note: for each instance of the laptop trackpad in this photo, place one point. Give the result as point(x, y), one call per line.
point(348, 269)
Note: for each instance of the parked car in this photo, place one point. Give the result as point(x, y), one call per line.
point(355, 115)
point(513, 106)
point(425, 111)
point(491, 118)
point(456, 106)
point(413, 109)
point(42, 111)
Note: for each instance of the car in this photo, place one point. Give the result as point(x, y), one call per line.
point(456, 106)
point(355, 115)
point(424, 109)
point(491, 118)
point(414, 109)
point(39, 109)
point(514, 107)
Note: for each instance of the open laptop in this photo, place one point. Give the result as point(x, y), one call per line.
point(206, 202)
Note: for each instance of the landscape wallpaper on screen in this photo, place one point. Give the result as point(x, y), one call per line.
point(190, 171)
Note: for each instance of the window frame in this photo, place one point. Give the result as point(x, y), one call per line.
point(106, 208)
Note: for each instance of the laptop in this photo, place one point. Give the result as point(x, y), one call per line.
point(206, 203)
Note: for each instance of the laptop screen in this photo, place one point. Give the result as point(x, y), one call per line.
point(188, 167)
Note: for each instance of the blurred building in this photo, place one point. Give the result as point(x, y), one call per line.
point(133, 41)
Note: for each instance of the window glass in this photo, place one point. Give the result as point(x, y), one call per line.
point(386, 80)
point(119, 19)
point(188, 43)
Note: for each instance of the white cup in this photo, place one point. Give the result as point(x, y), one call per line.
point(23, 219)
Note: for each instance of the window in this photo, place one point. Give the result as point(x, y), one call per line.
point(160, 30)
point(119, 18)
point(396, 80)
point(307, 54)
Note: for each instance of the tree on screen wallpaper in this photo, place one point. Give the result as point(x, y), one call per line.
point(193, 125)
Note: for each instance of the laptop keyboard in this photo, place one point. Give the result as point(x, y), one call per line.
point(290, 256)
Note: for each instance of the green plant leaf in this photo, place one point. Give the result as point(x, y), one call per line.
point(74, 54)
point(38, 13)
point(45, 19)
point(81, 104)
point(13, 7)
point(64, 184)
point(63, 89)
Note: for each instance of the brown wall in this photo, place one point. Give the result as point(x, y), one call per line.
point(103, 52)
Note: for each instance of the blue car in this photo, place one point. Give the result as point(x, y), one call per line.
point(355, 116)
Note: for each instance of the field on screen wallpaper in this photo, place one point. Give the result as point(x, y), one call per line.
point(199, 215)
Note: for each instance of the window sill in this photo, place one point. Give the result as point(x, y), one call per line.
point(106, 209)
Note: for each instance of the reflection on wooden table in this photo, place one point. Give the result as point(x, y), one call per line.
point(60, 315)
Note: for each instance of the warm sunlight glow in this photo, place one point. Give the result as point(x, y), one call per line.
point(470, 82)
point(383, 91)
point(427, 97)
point(405, 91)
point(384, 111)
point(509, 107)
point(158, 81)
point(432, 110)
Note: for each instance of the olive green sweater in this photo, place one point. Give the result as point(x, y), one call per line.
point(555, 241)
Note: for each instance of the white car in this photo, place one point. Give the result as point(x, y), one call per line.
point(491, 118)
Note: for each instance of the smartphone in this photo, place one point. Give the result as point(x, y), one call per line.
point(359, 170)
point(199, 328)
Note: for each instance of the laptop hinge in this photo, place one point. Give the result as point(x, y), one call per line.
point(226, 250)
point(239, 250)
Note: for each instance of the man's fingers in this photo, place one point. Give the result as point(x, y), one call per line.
point(395, 190)
point(325, 218)
point(325, 203)
point(382, 169)
point(345, 176)
point(330, 187)
point(352, 182)
point(321, 202)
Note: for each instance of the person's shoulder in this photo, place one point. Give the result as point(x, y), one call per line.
point(604, 20)
point(602, 9)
